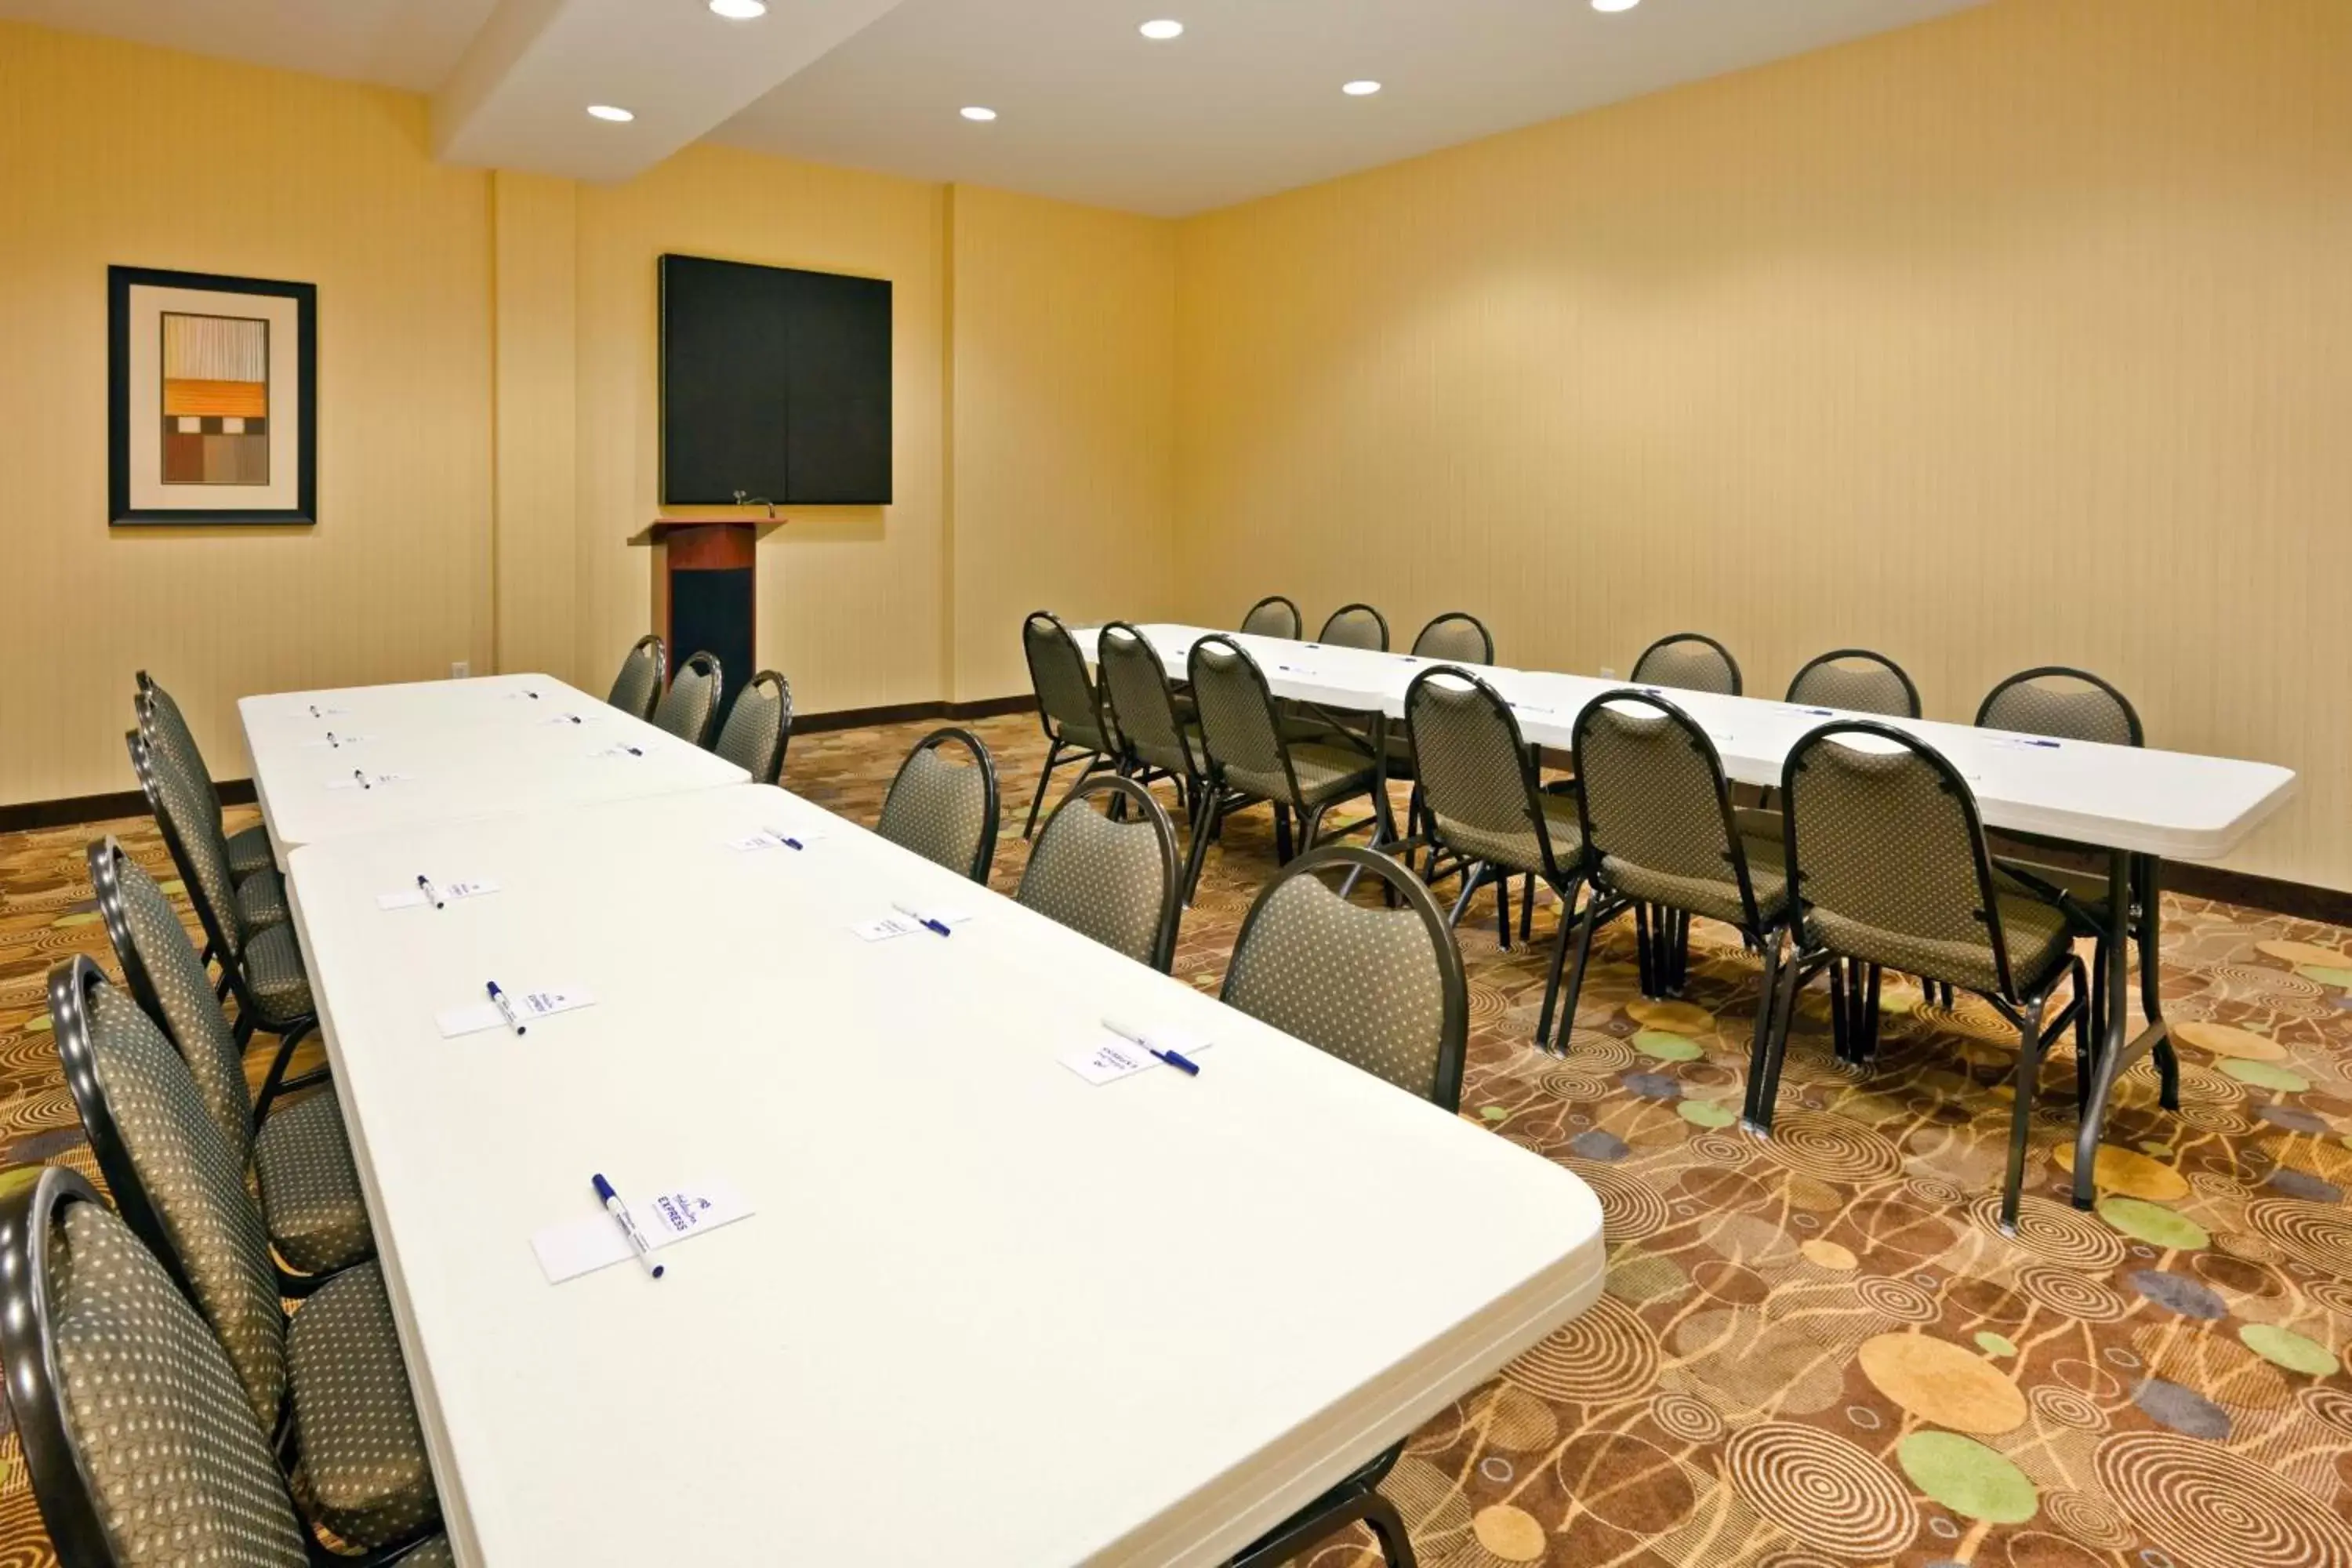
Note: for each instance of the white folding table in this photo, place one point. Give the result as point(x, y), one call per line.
point(2139, 804)
point(985, 1312)
point(465, 748)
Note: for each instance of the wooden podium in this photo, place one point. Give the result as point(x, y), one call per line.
point(705, 591)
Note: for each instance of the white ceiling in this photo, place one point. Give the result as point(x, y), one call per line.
point(1246, 103)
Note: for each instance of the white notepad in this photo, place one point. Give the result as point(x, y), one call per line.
point(1111, 1058)
point(374, 781)
point(667, 1216)
point(451, 892)
point(530, 1007)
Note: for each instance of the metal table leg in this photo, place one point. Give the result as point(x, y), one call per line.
point(2115, 1054)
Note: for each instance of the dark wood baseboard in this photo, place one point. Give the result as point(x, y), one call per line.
point(35, 814)
point(2297, 900)
point(908, 713)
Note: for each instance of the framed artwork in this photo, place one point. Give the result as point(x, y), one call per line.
point(212, 394)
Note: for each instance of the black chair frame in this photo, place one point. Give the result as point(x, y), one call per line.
point(1910, 688)
point(1484, 636)
point(977, 750)
point(661, 668)
point(775, 764)
point(1221, 798)
point(1127, 796)
point(1057, 742)
point(103, 859)
point(71, 980)
point(1564, 881)
point(706, 662)
point(63, 1488)
point(1328, 621)
point(2026, 1011)
point(1297, 623)
point(1356, 1501)
point(1737, 683)
point(1130, 763)
point(250, 1014)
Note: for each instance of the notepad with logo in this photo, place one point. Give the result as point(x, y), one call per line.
point(1110, 1059)
point(451, 892)
point(530, 1007)
point(776, 839)
point(371, 780)
point(667, 1215)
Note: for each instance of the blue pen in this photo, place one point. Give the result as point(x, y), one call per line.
point(361, 776)
point(919, 916)
point(1176, 1059)
point(786, 839)
point(506, 1009)
point(426, 886)
point(636, 750)
point(620, 1213)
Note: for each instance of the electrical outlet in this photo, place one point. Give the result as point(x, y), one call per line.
point(460, 670)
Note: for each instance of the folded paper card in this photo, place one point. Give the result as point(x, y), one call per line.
point(575, 719)
point(529, 1006)
point(1111, 1057)
point(450, 893)
point(669, 1215)
point(369, 781)
point(910, 920)
point(333, 743)
point(776, 839)
point(621, 749)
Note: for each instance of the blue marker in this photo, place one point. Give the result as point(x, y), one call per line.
point(506, 1009)
point(620, 1213)
point(918, 916)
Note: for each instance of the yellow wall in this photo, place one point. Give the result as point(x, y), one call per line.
point(2015, 337)
point(117, 155)
point(489, 398)
point(1063, 379)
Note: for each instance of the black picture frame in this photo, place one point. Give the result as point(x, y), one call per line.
point(120, 513)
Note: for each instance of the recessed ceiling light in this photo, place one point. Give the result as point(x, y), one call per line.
point(1614, 4)
point(1360, 89)
point(1162, 29)
point(613, 112)
point(976, 112)
point(739, 10)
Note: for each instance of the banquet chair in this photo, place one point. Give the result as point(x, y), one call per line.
point(1688, 661)
point(1356, 626)
point(1383, 990)
point(311, 1203)
point(331, 1371)
point(759, 727)
point(1273, 616)
point(945, 810)
point(691, 706)
point(638, 686)
point(1857, 680)
point(1111, 874)
point(161, 720)
point(100, 1345)
point(1888, 855)
point(1068, 707)
point(1457, 636)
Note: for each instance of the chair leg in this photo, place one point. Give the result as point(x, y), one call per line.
point(1310, 824)
point(1869, 1015)
point(1764, 1093)
point(1528, 909)
point(1212, 822)
point(2029, 1077)
point(1503, 910)
point(1281, 834)
point(1767, 995)
point(1386, 1526)
point(1053, 757)
point(1472, 879)
point(275, 1083)
point(1646, 952)
point(1585, 928)
point(1840, 1046)
point(1559, 961)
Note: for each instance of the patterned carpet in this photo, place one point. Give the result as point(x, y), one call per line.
point(1814, 1351)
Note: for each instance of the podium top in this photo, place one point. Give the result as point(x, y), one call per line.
point(658, 531)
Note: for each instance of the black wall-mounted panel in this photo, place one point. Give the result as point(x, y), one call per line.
point(775, 382)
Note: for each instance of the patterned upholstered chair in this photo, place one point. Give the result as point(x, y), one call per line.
point(943, 804)
point(1859, 682)
point(300, 1157)
point(1457, 636)
point(690, 707)
point(335, 1365)
point(759, 727)
point(1158, 738)
point(1688, 661)
point(1663, 839)
point(1485, 802)
point(1356, 626)
point(639, 685)
point(1273, 616)
point(263, 967)
point(1383, 990)
point(1887, 854)
point(260, 891)
point(1250, 759)
point(2068, 704)
point(138, 1439)
point(1068, 707)
point(1111, 874)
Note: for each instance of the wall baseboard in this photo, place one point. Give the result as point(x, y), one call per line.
point(2272, 895)
point(33, 814)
